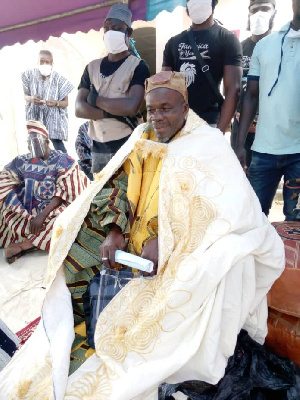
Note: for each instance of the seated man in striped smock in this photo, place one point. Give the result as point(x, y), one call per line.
point(34, 189)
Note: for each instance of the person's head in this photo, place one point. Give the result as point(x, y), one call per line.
point(296, 11)
point(166, 103)
point(261, 16)
point(200, 10)
point(38, 139)
point(45, 62)
point(117, 28)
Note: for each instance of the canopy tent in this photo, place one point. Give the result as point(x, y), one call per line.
point(39, 19)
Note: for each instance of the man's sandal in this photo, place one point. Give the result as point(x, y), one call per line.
point(14, 257)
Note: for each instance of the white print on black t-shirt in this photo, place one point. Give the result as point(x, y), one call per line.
point(246, 62)
point(186, 53)
point(190, 72)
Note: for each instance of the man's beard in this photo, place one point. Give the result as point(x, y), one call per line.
point(163, 140)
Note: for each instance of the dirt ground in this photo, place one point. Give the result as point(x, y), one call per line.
point(276, 213)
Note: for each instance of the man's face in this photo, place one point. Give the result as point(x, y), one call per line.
point(113, 24)
point(45, 59)
point(166, 112)
point(37, 145)
point(264, 7)
point(202, 2)
point(261, 18)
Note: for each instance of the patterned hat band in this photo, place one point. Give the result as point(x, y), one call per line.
point(37, 127)
point(169, 80)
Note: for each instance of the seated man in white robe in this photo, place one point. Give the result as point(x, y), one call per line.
point(175, 194)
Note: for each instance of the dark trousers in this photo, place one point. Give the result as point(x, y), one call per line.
point(58, 144)
point(265, 173)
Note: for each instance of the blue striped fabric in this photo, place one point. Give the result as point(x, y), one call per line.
point(9, 343)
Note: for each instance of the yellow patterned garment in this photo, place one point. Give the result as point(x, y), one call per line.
point(142, 194)
point(218, 257)
point(143, 168)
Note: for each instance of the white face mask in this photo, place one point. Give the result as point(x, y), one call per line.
point(293, 34)
point(260, 22)
point(115, 42)
point(199, 10)
point(45, 69)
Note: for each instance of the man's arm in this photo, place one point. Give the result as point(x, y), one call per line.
point(248, 112)
point(35, 99)
point(9, 179)
point(166, 69)
point(83, 109)
point(232, 84)
point(61, 103)
point(37, 222)
point(28, 98)
point(26, 80)
point(111, 207)
point(123, 106)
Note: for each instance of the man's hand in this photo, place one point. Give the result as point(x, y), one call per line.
point(51, 103)
point(92, 96)
point(241, 155)
point(150, 252)
point(36, 100)
point(36, 224)
point(113, 241)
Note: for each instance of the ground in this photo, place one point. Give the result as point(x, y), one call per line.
point(276, 213)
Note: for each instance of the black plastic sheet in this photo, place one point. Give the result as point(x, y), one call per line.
point(252, 373)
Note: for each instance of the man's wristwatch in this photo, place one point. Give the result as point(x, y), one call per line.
point(57, 104)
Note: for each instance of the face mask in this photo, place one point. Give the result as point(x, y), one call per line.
point(45, 69)
point(36, 145)
point(115, 42)
point(199, 10)
point(260, 22)
point(293, 34)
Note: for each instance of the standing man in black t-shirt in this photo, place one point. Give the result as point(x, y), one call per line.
point(111, 89)
point(260, 23)
point(222, 54)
